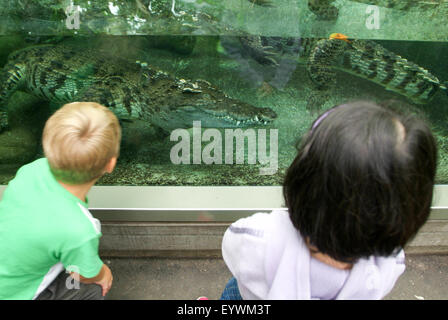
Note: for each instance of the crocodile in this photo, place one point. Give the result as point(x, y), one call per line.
point(132, 90)
point(363, 58)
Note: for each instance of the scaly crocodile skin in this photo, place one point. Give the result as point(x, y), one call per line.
point(325, 10)
point(371, 61)
point(363, 58)
point(64, 74)
point(403, 4)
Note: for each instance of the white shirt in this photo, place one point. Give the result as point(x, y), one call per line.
point(270, 260)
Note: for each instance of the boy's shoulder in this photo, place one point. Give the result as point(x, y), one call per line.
point(35, 195)
point(30, 173)
point(25, 185)
point(33, 184)
point(38, 164)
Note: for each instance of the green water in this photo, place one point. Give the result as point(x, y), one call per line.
point(189, 46)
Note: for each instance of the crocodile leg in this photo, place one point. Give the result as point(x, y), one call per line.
point(322, 58)
point(173, 4)
point(12, 77)
point(320, 69)
point(324, 9)
point(261, 53)
point(111, 93)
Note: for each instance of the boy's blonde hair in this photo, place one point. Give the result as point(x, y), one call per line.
point(79, 140)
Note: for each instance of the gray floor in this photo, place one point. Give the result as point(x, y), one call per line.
point(426, 277)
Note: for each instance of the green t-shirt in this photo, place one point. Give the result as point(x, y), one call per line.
point(43, 228)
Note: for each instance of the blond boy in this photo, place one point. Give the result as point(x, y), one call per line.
point(48, 238)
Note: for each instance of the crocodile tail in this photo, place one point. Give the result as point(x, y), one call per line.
point(369, 60)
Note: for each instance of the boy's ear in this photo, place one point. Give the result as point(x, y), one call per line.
point(111, 165)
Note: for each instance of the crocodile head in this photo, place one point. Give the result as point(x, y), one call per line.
point(200, 101)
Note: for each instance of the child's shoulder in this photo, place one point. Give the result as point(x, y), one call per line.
point(25, 180)
point(261, 222)
point(263, 217)
point(31, 170)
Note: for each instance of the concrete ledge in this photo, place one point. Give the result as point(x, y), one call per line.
point(174, 254)
point(431, 239)
point(158, 239)
point(165, 239)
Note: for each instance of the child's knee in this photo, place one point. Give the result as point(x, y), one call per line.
point(91, 292)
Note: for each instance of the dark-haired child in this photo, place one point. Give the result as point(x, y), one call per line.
point(358, 190)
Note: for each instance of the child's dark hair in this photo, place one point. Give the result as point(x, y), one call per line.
point(362, 181)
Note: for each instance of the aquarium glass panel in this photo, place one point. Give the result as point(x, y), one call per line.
point(211, 92)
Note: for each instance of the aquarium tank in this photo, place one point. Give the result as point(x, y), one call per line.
point(215, 93)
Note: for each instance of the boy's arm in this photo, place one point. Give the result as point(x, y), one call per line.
point(103, 278)
point(85, 265)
